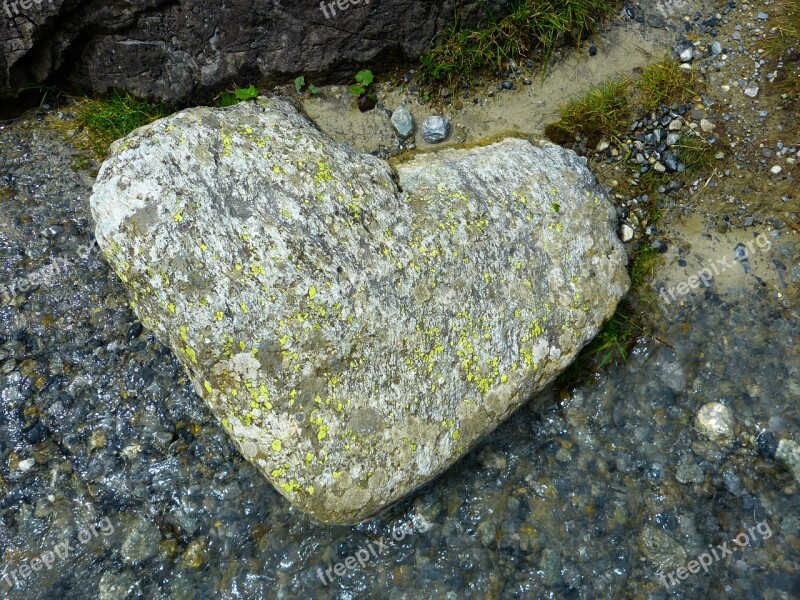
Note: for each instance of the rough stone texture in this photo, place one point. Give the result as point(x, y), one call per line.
point(355, 339)
point(181, 51)
point(715, 421)
point(403, 121)
point(435, 129)
point(789, 454)
point(661, 549)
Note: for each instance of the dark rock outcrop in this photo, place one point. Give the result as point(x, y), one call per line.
point(190, 50)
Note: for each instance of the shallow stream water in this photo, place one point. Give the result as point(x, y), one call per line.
point(118, 480)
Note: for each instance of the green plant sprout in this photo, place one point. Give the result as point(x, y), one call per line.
point(238, 95)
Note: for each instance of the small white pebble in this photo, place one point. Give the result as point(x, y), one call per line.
point(776, 169)
point(26, 465)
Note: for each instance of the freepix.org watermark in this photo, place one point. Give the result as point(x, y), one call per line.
point(705, 276)
point(706, 559)
point(47, 559)
point(46, 275)
point(363, 556)
point(16, 5)
point(329, 8)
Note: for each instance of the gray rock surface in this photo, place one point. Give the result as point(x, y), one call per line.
point(403, 121)
point(141, 542)
point(661, 549)
point(435, 129)
point(179, 51)
point(789, 454)
point(355, 339)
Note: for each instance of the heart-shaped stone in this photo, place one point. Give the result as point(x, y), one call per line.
point(355, 327)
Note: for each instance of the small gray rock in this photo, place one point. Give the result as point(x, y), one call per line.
point(670, 161)
point(115, 585)
point(141, 543)
point(435, 129)
point(733, 482)
point(53, 231)
point(656, 21)
point(659, 246)
point(687, 54)
point(403, 121)
point(661, 549)
point(751, 90)
point(487, 533)
point(762, 16)
point(716, 48)
point(789, 454)
point(626, 233)
point(690, 473)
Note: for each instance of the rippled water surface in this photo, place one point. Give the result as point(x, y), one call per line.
point(113, 465)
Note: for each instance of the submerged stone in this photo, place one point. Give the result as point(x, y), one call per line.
point(356, 327)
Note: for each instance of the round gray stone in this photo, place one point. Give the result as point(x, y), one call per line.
point(435, 129)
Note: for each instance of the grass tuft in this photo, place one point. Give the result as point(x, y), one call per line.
point(643, 267)
point(102, 121)
point(606, 112)
point(531, 25)
point(783, 43)
point(630, 321)
point(696, 153)
point(665, 83)
point(603, 110)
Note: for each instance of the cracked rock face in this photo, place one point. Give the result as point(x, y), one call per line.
point(179, 51)
point(355, 327)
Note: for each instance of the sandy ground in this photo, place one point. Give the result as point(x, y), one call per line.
point(526, 110)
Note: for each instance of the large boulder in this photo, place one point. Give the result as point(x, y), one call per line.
point(355, 327)
point(181, 51)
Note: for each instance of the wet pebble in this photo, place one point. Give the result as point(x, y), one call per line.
point(141, 542)
point(661, 549)
point(715, 421)
point(689, 473)
point(788, 453)
point(659, 246)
